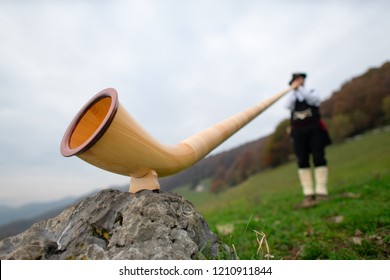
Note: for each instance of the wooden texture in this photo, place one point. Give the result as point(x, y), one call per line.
point(90, 122)
point(126, 148)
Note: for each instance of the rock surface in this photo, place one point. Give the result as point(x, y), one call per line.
point(119, 225)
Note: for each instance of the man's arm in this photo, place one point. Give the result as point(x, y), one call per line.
point(311, 96)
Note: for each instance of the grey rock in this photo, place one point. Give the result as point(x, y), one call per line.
point(119, 225)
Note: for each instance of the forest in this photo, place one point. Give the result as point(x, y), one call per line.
point(361, 104)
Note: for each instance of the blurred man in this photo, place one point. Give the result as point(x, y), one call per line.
point(309, 137)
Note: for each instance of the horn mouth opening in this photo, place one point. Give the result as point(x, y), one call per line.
point(90, 123)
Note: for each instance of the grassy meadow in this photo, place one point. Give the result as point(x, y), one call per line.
point(257, 219)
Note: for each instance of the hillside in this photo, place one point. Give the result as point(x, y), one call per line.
point(29, 211)
point(353, 224)
point(17, 219)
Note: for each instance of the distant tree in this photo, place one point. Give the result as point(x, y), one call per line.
point(386, 109)
point(217, 186)
point(245, 166)
point(360, 121)
point(231, 178)
point(241, 169)
point(219, 180)
point(341, 127)
point(326, 108)
point(278, 147)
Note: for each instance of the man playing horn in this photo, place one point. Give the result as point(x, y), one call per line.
point(309, 137)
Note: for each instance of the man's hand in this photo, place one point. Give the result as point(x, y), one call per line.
point(297, 82)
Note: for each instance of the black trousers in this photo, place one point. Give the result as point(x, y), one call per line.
point(308, 140)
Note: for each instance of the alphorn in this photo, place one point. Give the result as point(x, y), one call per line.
point(105, 135)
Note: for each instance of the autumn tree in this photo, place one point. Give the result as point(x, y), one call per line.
point(341, 127)
point(278, 147)
point(386, 109)
point(219, 180)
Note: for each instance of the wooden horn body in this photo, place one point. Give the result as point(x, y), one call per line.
point(104, 134)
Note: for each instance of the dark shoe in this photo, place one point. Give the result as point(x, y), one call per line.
point(322, 197)
point(308, 202)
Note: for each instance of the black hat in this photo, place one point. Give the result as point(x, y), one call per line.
point(297, 75)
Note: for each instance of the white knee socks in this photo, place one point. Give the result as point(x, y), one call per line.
point(306, 181)
point(321, 177)
point(321, 180)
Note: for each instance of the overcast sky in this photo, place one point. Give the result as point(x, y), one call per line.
point(178, 66)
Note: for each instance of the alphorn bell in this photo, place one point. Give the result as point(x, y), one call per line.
point(104, 134)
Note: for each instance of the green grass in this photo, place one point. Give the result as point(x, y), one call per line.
point(353, 224)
